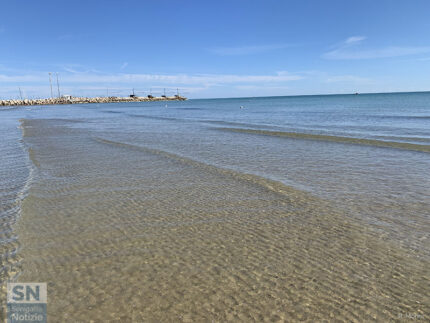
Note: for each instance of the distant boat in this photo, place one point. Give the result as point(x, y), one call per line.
point(356, 93)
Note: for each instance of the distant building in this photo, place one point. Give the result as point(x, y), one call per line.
point(66, 97)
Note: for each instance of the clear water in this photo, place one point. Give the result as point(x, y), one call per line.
point(289, 208)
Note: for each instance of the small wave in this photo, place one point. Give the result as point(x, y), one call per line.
point(347, 140)
point(232, 123)
point(26, 122)
point(32, 157)
point(403, 117)
point(4, 108)
point(189, 109)
point(109, 111)
point(404, 138)
point(156, 118)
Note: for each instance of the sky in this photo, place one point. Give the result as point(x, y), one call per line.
point(211, 49)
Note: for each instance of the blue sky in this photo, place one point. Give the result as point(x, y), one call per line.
point(214, 48)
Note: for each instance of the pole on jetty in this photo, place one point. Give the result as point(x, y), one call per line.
point(20, 93)
point(58, 86)
point(177, 91)
point(50, 83)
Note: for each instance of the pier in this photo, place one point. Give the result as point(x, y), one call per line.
point(84, 100)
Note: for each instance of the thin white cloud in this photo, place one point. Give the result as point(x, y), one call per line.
point(179, 78)
point(354, 39)
point(283, 73)
point(349, 50)
point(347, 78)
point(71, 70)
point(76, 77)
point(77, 69)
point(246, 50)
point(376, 53)
point(259, 88)
point(21, 78)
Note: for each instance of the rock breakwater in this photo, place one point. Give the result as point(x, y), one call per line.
point(83, 100)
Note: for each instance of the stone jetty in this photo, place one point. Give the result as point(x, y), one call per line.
point(82, 100)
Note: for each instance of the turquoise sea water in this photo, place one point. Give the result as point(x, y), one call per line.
point(367, 155)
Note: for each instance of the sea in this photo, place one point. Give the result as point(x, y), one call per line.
point(292, 208)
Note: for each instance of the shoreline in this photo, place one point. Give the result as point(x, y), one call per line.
point(84, 100)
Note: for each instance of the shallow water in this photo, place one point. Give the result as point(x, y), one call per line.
point(15, 177)
point(203, 211)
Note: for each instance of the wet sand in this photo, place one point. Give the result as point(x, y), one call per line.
point(123, 232)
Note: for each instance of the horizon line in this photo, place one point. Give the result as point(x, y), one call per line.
point(318, 94)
